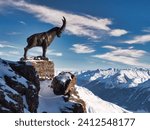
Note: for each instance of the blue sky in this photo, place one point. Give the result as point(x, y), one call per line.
point(99, 33)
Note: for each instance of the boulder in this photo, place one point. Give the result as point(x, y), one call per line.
point(64, 84)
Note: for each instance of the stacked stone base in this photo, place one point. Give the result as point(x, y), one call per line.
point(43, 68)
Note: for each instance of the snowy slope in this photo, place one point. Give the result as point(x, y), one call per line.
point(96, 105)
point(128, 88)
point(49, 102)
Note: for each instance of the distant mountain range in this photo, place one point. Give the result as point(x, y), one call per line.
point(128, 88)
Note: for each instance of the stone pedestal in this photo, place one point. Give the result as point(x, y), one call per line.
point(33, 69)
point(43, 68)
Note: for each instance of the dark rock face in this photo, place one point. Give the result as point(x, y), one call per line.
point(19, 88)
point(75, 108)
point(64, 84)
point(10, 102)
point(31, 93)
point(32, 98)
point(27, 71)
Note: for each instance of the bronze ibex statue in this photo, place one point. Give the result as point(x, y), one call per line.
point(44, 39)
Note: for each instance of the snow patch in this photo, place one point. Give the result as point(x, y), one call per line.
point(8, 99)
point(48, 101)
point(63, 77)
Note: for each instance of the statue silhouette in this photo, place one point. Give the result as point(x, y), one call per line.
point(44, 39)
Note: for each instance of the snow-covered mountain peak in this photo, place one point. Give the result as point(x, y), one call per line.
point(115, 77)
point(128, 88)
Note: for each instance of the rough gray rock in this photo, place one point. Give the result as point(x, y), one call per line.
point(17, 93)
point(64, 84)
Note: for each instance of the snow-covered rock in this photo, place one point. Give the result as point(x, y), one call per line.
point(17, 94)
point(63, 83)
point(52, 103)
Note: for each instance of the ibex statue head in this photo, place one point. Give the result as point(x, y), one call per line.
point(44, 39)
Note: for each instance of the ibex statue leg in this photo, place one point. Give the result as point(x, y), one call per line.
point(25, 52)
point(44, 51)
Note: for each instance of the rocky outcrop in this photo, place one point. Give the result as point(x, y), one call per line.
point(43, 67)
point(27, 71)
point(17, 93)
point(10, 101)
point(33, 70)
point(64, 84)
point(20, 84)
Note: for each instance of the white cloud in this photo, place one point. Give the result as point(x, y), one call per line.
point(38, 51)
point(14, 53)
point(22, 22)
point(110, 47)
point(53, 53)
point(141, 39)
point(80, 25)
point(147, 30)
point(128, 56)
point(5, 44)
point(82, 48)
point(3, 54)
point(10, 54)
point(14, 33)
point(118, 32)
point(2, 2)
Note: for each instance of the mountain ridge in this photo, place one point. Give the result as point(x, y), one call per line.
point(125, 87)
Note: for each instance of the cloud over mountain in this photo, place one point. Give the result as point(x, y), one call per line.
point(128, 56)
